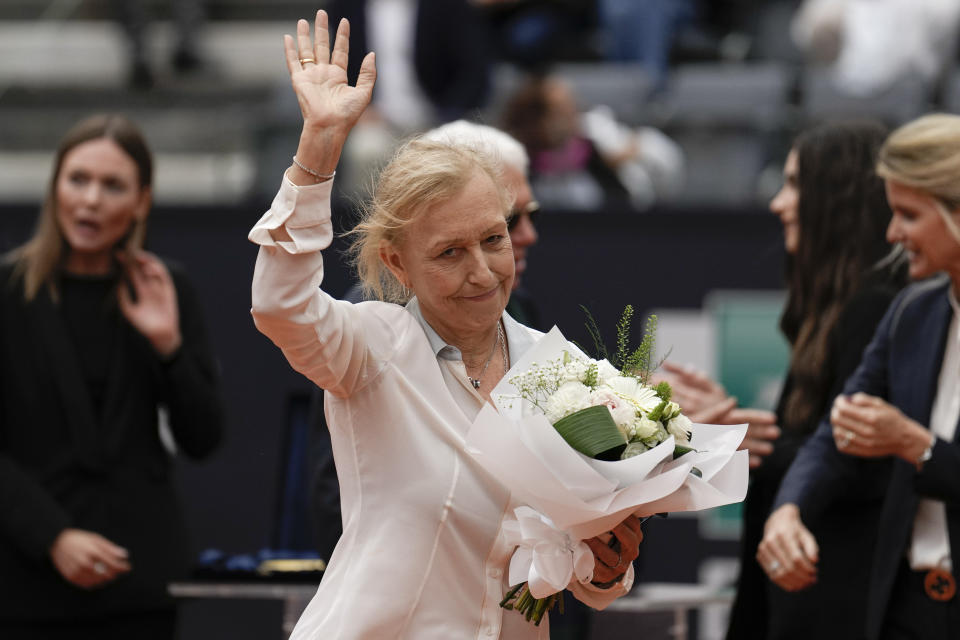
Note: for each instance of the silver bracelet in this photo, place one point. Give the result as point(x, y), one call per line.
point(319, 176)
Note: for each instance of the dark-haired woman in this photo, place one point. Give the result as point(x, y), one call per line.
point(840, 282)
point(97, 337)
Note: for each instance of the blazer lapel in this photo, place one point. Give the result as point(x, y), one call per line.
point(78, 409)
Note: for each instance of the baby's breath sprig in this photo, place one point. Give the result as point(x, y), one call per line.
point(592, 376)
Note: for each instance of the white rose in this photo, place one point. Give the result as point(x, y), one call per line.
point(569, 398)
point(645, 427)
point(671, 411)
point(679, 428)
point(633, 449)
point(606, 371)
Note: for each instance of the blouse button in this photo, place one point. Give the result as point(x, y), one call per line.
point(495, 573)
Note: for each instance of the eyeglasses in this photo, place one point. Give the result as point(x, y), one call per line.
point(532, 210)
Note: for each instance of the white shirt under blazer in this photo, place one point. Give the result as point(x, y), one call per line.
point(422, 553)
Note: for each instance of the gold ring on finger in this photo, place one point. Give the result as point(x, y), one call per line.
point(306, 60)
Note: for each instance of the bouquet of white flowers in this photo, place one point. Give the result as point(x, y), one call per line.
point(584, 444)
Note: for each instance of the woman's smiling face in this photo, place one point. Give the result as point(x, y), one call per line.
point(920, 228)
point(457, 259)
point(98, 196)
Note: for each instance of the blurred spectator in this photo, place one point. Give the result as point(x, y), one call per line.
point(870, 44)
point(188, 16)
point(643, 31)
point(589, 161)
point(432, 57)
point(534, 33)
point(97, 339)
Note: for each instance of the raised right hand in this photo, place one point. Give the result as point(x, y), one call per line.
point(87, 559)
point(319, 78)
point(788, 552)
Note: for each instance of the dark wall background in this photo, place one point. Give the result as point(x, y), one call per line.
point(663, 258)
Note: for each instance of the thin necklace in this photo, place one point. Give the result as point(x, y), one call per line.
point(503, 344)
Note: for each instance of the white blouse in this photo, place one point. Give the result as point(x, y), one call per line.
point(930, 542)
point(422, 554)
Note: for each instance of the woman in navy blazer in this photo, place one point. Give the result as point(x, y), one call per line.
point(893, 431)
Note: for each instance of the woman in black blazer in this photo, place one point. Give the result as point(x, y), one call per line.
point(838, 291)
point(97, 337)
point(893, 431)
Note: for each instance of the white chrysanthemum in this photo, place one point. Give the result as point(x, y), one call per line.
point(606, 371)
point(645, 427)
point(646, 398)
point(624, 385)
point(679, 428)
point(569, 398)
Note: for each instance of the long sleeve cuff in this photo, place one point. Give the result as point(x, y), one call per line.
point(298, 210)
point(598, 598)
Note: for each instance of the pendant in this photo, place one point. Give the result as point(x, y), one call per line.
point(474, 382)
point(939, 585)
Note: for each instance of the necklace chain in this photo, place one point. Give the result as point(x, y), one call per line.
point(503, 347)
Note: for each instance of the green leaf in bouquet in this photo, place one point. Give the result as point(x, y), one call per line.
point(657, 412)
point(592, 432)
point(679, 450)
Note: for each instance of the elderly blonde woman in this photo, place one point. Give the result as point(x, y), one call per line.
point(422, 553)
point(893, 432)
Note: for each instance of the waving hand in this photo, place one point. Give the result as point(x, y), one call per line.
point(330, 107)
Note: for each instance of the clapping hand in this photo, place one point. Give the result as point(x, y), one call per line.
point(870, 427)
point(151, 306)
point(330, 107)
point(706, 401)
